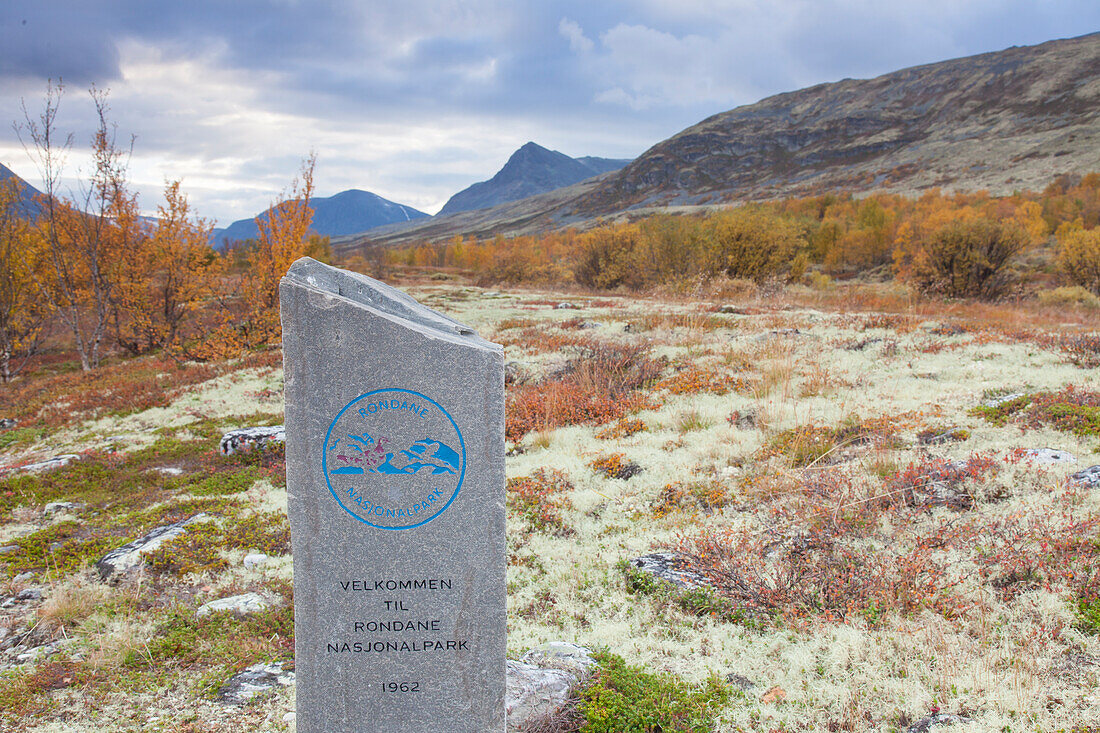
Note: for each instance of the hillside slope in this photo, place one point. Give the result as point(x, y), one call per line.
point(999, 121)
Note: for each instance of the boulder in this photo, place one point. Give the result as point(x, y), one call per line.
point(534, 692)
point(29, 594)
point(130, 556)
point(566, 305)
point(671, 567)
point(243, 686)
point(246, 440)
point(1089, 477)
point(8, 423)
point(239, 605)
point(542, 681)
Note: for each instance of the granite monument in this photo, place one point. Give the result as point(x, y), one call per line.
point(395, 476)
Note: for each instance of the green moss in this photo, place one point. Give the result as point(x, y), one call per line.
point(1000, 414)
point(1081, 420)
point(193, 551)
point(60, 548)
point(219, 640)
point(1087, 611)
point(268, 533)
point(627, 699)
point(229, 482)
point(23, 436)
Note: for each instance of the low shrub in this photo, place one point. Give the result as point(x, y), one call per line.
point(540, 499)
point(807, 445)
point(616, 466)
point(602, 383)
point(624, 698)
point(622, 429)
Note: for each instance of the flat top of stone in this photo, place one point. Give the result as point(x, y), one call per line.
point(381, 298)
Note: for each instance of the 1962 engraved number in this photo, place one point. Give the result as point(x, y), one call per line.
point(400, 687)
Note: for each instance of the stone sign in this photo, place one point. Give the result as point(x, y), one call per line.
point(395, 476)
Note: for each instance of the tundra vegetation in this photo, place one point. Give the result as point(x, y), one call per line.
point(824, 410)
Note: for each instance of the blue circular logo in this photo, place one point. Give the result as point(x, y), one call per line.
point(394, 459)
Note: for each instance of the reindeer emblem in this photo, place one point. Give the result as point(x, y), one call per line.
point(364, 450)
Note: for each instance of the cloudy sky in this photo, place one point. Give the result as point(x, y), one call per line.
point(415, 100)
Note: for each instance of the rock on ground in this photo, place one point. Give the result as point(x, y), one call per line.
point(999, 400)
point(57, 507)
point(934, 721)
point(1089, 477)
point(243, 686)
point(51, 464)
point(539, 684)
point(669, 566)
point(118, 562)
point(239, 605)
point(247, 440)
point(1048, 455)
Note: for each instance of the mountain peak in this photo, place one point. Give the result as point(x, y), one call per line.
point(530, 170)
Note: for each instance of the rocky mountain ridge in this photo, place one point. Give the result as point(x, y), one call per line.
point(530, 171)
point(1000, 121)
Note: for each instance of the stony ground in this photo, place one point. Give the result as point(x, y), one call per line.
point(864, 542)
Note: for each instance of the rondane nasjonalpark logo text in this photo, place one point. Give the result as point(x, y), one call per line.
point(394, 459)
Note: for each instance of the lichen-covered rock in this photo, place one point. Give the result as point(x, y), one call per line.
point(1048, 456)
point(243, 686)
point(1089, 477)
point(541, 682)
point(671, 567)
point(239, 605)
point(59, 507)
point(939, 437)
point(246, 440)
point(130, 556)
point(532, 692)
point(562, 655)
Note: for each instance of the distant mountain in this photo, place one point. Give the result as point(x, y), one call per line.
point(348, 212)
point(27, 193)
point(1002, 121)
point(531, 170)
point(999, 121)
